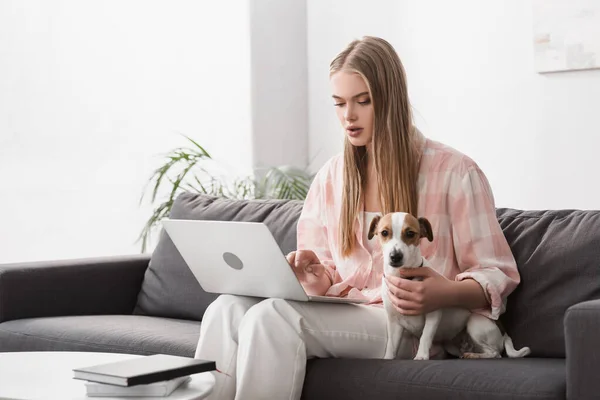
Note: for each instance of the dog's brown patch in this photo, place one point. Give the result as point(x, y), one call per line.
point(426, 230)
point(411, 231)
point(373, 227)
point(382, 227)
point(415, 229)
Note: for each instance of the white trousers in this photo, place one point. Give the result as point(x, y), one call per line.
point(261, 347)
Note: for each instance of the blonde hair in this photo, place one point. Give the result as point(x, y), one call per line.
point(394, 148)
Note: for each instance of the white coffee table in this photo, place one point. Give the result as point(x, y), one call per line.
point(49, 375)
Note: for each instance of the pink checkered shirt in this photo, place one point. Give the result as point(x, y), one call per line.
point(454, 195)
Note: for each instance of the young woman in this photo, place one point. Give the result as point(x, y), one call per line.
point(261, 347)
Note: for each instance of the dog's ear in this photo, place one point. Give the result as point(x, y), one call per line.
point(373, 226)
point(425, 227)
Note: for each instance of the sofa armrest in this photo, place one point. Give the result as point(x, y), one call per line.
point(582, 324)
point(105, 285)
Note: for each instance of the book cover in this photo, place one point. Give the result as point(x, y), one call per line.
point(157, 389)
point(143, 370)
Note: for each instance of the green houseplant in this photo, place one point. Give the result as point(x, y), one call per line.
point(189, 169)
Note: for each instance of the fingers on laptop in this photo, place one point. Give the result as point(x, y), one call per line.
point(306, 257)
point(317, 269)
point(291, 258)
point(305, 261)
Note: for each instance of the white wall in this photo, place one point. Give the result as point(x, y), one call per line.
point(90, 94)
point(472, 85)
point(279, 75)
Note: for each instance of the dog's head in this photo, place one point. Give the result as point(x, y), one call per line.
point(400, 235)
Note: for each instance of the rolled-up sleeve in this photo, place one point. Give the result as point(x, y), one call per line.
point(481, 249)
point(311, 228)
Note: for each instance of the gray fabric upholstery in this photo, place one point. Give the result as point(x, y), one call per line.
point(539, 379)
point(582, 332)
point(132, 334)
point(558, 255)
point(106, 285)
point(169, 288)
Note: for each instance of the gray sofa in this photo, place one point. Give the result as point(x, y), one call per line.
point(146, 304)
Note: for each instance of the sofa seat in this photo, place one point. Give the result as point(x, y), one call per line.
point(131, 334)
point(528, 378)
point(525, 378)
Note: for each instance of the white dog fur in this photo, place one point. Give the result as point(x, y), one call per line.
point(462, 333)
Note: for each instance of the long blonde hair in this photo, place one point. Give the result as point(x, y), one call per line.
point(394, 148)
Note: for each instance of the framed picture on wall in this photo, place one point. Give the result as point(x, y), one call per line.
point(566, 35)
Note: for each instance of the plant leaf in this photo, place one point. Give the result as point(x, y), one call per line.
point(202, 150)
point(282, 182)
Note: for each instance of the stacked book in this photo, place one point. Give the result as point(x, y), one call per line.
point(150, 376)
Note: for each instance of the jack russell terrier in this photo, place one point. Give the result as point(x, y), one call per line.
point(462, 333)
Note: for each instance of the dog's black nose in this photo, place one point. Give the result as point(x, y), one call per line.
point(396, 257)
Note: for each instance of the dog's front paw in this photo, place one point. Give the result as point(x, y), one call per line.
point(421, 357)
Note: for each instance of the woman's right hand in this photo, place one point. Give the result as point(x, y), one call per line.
point(310, 272)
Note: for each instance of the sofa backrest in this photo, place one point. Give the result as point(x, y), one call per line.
point(558, 256)
point(557, 253)
point(169, 288)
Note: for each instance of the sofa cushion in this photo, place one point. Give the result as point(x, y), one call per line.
point(558, 255)
point(130, 334)
point(169, 288)
point(525, 378)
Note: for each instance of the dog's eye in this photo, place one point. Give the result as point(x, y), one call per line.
point(410, 234)
point(384, 233)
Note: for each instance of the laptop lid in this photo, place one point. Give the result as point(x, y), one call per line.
point(232, 257)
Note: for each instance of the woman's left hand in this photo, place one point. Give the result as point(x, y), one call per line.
point(411, 297)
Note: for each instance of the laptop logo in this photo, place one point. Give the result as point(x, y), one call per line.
point(233, 261)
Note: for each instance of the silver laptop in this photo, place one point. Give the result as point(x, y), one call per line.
point(240, 258)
